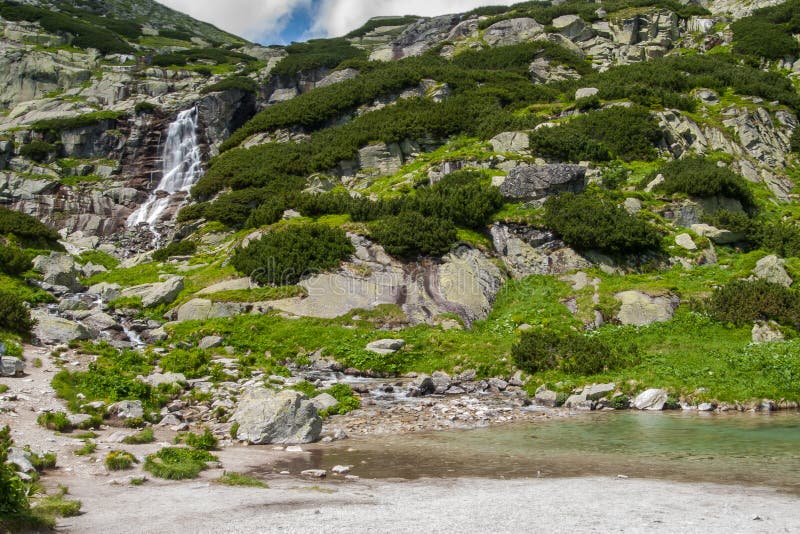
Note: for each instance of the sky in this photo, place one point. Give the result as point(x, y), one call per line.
point(283, 21)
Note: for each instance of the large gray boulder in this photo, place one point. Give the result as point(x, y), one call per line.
point(771, 268)
point(52, 330)
point(284, 417)
point(652, 399)
point(10, 366)
point(385, 346)
point(641, 310)
point(154, 294)
point(510, 142)
point(59, 270)
point(533, 182)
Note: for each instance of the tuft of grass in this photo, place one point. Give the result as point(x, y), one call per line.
point(238, 479)
point(120, 460)
point(174, 463)
point(206, 442)
point(140, 438)
point(54, 506)
point(138, 481)
point(88, 448)
point(3, 388)
point(54, 421)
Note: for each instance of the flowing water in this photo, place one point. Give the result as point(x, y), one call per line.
point(748, 449)
point(181, 166)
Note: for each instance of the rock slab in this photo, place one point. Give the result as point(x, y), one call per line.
point(284, 417)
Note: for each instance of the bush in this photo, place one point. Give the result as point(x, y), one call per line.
point(542, 350)
point(14, 261)
point(314, 54)
point(591, 221)
point(179, 248)
point(14, 315)
point(412, 234)
point(769, 32)
point(628, 133)
point(348, 401)
point(192, 363)
point(204, 442)
point(240, 83)
point(81, 121)
point(12, 492)
point(744, 301)
point(28, 230)
point(175, 463)
point(143, 108)
point(458, 197)
point(287, 255)
point(54, 421)
point(120, 460)
point(380, 23)
point(699, 177)
point(38, 151)
point(795, 141)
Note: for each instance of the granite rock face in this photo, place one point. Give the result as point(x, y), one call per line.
point(534, 182)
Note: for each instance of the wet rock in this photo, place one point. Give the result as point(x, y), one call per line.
point(641, 310)
point(545, 397)
point(579, 402)
point(707, 407)
point(314, 473)
point(498, 383)
point(771, 268)
point(651, 399)
point(767, 332)
point(51, 329)
point(11, 366)
point(285, 417)
point(341, 469)
point(210, 342)
point(423, 385)
point(532, 182)
point(385, 346)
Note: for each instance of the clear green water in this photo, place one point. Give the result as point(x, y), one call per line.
point(733, 449)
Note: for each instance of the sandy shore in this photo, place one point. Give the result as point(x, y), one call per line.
point(456, 505)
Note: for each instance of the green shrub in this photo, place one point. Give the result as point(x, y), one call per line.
point(143, 108)
point(782, 238)
point(348, 401)
point(88, 448)
point(120, 460)
point(699, 177)
point(54, 421)
point(42, 462)
point(517, 58)
point(240, 83)
point(795, 141)
point(573, 353)
point(219, 56)
point(412, 234)
point(14, 261)
point(28, 230)
point(174, 463)
point(12, 492)
point(38, 151)
point(591, 221)
point(140, 438)
point(374, 24)
point(81, 121)
point(744, 301)
point(769, 32)
point(14, 315)
point(192, 363)
point(287, 255)
point(459, 197)
point(205, 442)
point(628, 133)
point(179, 248)
point(316, 53)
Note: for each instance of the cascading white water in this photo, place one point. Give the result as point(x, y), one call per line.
point(181, 165)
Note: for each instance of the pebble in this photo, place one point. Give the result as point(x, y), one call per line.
point(294, 448)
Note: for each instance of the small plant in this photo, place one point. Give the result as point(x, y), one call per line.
point(623, 402)
point(14, 315)
point(140, 438)
point(54, 421)
point(57, 506)
point(37, 362)
point(238, 479)
point(138, 481)
point(3, 388)
point(234, 430)
point(88, 448)
point(120, 460)
point(44, 461)
point(205, 442)
point(174, 463)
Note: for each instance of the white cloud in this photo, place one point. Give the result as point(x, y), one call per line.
point(252, 19)
point(263, 20)
point(337, 17)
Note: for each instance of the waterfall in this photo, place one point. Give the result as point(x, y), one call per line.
point(181, 166)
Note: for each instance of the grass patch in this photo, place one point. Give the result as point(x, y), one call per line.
point(87, 449)
point(173, 463)
point(140, 438)
point(258, 294)
point(54, 421)
point(120, 460)
point(238, 479)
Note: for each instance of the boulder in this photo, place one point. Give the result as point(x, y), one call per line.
point(586, 92)
point(53, 330)
point(545, 397)
point(766, 332)
point(513, 31)
point(652, 399)
point(632, 205)
point(685, 241)
point(579, 402)
point(510, 142)
point(78, 419)
point(598, 391)
point(498, 383)
point(323, 401)
point(21, 459)
point(641, 310)
point(105, 291)
point(532, 182)
point(127, 409)
point(59, 269)
point(10, 366)
point(385, 346)
point(158, 293)
point(158, 379)
point(717, 235)
point(204, 309)
point(100, 321)
point(423, 385)
point(228, 285)
point(284, 417)
point(210, 342)
point(771, 268)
